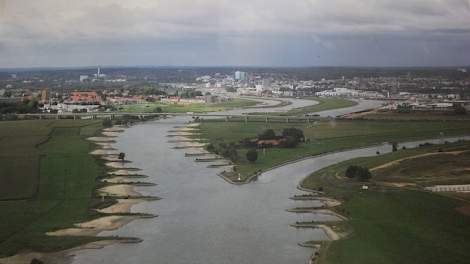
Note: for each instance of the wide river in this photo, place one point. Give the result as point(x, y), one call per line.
point(202, 219)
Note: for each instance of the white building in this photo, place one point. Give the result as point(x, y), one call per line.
point(259, 88)
point(449, 188)
point(345, 92)
point(83, 78)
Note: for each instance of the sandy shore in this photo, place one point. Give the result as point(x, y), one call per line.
point(101, 139)
point(119, 190)
point(123, 172)
point(122, 206)
point(120, 179)
point(104, 152)
point(94, 227)
point(328, 202)
point(110, 134)
point(115, 129)
point(111, 158)
point(192, 125)
point(117, 165)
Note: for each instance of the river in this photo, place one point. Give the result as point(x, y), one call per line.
point(204, 220)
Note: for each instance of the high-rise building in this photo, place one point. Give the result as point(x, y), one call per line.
point(240, 76)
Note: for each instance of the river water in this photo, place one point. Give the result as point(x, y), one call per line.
point(204, 220)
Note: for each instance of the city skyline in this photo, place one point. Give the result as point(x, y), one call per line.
point(50, 33)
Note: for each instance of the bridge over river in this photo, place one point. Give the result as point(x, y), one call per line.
point(256, 117)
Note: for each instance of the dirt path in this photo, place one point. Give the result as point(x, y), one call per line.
point(396, 162)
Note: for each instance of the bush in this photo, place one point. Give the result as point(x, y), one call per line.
point(267, 134)
point(252, 155)
point(358, 172)
point(290, 142)
point(293, 132)
point(351, 171)
point(394, 146)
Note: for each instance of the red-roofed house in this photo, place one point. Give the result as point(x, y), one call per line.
point(85, 98)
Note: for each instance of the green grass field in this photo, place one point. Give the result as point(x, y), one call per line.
point(323, 104)
point(55, 181)
point(392, 225)
point(197, 108)
point(325, 136)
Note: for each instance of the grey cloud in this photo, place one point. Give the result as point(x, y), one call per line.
point(252, 32)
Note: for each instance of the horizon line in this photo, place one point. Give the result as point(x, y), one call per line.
point(25, 68)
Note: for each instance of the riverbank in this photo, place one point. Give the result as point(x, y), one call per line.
point(323, 137)
point(64, 151)
point(386, 220)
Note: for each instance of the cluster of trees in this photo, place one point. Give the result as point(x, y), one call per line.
point(404, 108)
point(148, 90)
point(27, 106)
point(358, 172)
point(290, 137)
point(228, 151)
point(252, 155)
point(190, 94)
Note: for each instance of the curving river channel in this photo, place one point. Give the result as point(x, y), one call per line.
point(202, 219)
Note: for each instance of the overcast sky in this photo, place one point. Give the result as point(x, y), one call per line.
point(237, 32)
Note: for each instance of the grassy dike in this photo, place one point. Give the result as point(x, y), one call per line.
point(47, 182)
point(395, 225)
point(196, 108)
point(324, 136)
point(323, 105)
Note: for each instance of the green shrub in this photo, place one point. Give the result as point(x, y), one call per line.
point(252, 155)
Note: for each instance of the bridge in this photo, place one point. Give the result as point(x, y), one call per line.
point(143, 115)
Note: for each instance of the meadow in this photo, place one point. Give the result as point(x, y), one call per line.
point(391, 224)
point(47, 181)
